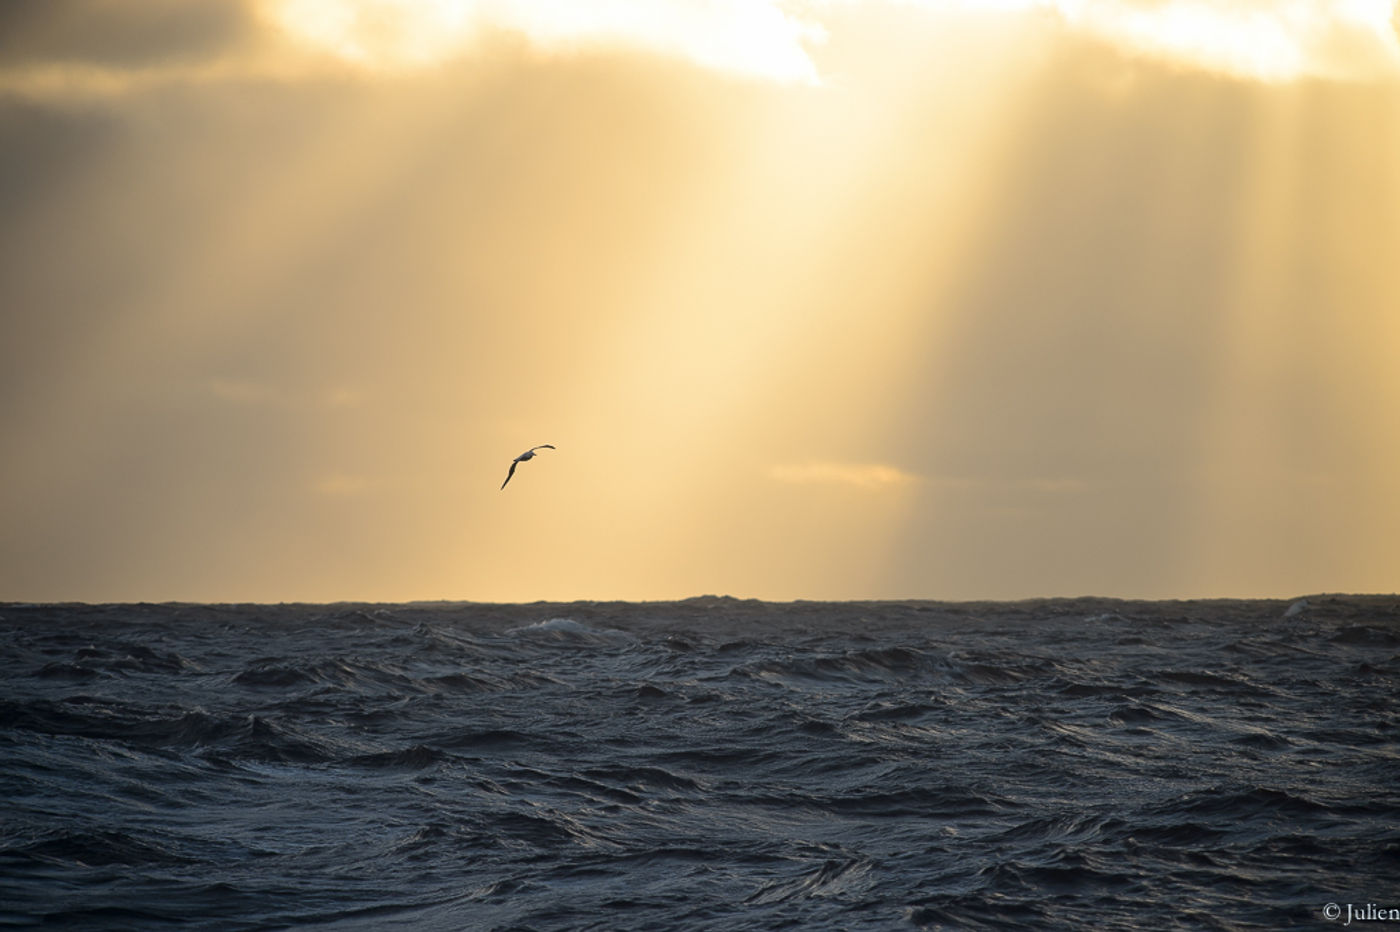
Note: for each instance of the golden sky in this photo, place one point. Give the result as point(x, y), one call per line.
point(816, 298)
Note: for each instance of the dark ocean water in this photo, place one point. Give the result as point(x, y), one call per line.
point(706, 764)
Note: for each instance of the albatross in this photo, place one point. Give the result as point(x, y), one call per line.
point(527, 455)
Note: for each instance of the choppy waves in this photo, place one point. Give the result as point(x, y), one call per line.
point(707, 764)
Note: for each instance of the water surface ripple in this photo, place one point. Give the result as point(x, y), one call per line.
point(705, 764)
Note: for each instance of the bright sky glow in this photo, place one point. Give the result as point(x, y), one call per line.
point(816, 299)
point(1269, 40)
point(749, 37)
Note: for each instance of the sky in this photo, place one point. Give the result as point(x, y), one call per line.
point(821, 299)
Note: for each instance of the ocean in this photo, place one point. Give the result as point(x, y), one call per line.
point(704, 764)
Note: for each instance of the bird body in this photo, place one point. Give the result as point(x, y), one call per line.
point(527, 455)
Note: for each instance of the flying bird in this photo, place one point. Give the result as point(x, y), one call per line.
point(527, 455)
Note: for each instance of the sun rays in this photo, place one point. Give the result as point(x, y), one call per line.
point(823, 298)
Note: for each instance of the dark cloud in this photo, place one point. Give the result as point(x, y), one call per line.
point(120, 33)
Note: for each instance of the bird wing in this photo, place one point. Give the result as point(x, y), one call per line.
point(509, 474)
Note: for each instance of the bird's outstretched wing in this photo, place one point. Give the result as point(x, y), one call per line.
point(509, 474)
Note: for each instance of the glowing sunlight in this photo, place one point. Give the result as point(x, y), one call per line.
point(753, 38)
point(815, 299)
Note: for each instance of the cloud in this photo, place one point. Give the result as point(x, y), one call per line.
point(104, 48)
point(109, 46)
point(749, 37)
point(875, 476)
point(1268, 40)
point(1265, 40)
point(869, 476)
point(120, 33)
